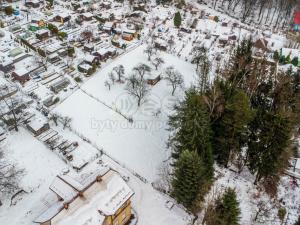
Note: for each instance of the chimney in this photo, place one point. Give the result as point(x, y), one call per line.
point(66, 205)
point(99, 179)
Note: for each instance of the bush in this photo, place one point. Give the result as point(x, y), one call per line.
point(62, 35)
point(80, 69)
point(53, 28)
point(71, 51)
point(78, 79)
point(8, 10)
point(281, 213)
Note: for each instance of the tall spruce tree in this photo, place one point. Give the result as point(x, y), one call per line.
point(177, 19)
point(295, 61)
point(269, 138)
point(188, 177)
point(191, 129)
point(276, 56)
point(240, 63)
point(227, 208)
point(231, 128)
point(224, 211)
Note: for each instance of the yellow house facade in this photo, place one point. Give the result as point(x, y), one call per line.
point(121, 217)
point(103, 198)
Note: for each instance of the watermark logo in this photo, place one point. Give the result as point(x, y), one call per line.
point(126, 105)
point(150, 115)
point(152, 105)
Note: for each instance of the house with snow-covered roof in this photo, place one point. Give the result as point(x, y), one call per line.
point(101, 198)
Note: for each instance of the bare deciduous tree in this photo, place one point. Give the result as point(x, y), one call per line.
point(107, 84)
point(149, 51)
point(66, 121)
point(112, 78)
point(42, 61)
point(120, 70)
point(10, 107)
point(9, 176)
point(87, 35)
point(157, 62)
point(54, 117)
point(171, 42)
point(174, 78)
point(264, 212)
point(141, 70)
point(137, 84)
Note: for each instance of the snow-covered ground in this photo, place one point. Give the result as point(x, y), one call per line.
point(41, 167)
point(141, 145)
point(100, 116)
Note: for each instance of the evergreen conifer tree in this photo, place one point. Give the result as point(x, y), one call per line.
point(276, 56)
point(295, 61)
point(282, 59)
point(231, 127)
point(288, 59)
point(191, 126)
point(227, 208)
point(270, 135)
point(188, 177)
point(224, 211)
point(177, 19)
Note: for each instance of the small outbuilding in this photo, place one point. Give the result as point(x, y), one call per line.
point(38, 126)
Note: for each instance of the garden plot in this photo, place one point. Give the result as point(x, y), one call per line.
point(141, 145)
point(70, 148)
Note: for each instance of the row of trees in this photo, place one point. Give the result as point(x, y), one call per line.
point(244, 118)
point(137, 83)
point(282, 59)
point(275, 12)
point(278, 13)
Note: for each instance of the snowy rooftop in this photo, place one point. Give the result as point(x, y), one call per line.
point(63, 190)
point(101, 198)
point(90, 58)
point(81, 184)
point(84, 216)
point(37, 124)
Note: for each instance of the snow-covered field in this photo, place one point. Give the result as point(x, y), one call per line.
point(141, 145)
